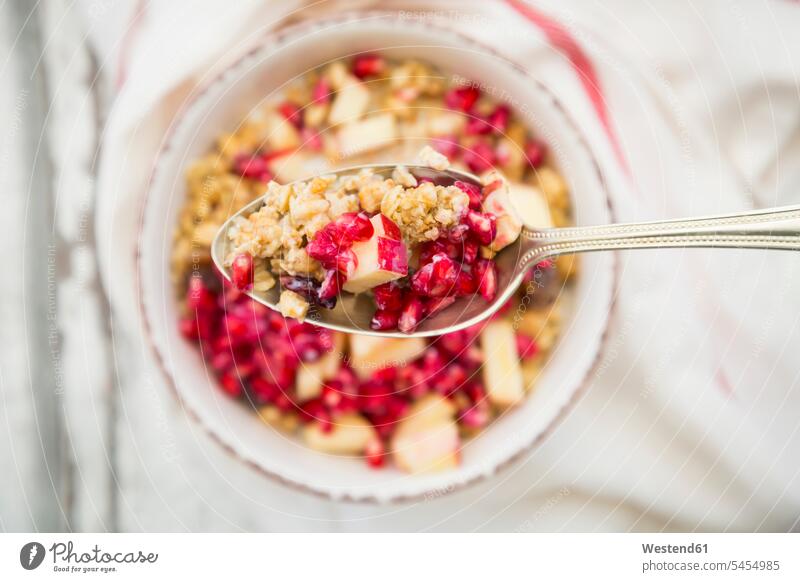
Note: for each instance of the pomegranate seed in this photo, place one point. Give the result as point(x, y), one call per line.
point(498, 119)
point(368, 66)
point(477, 126)
point(231, 384)
point(384, 319)
point(526, 346)
point(411, 314)
point(535, 151)
point(438, 304)
point(292, 113)
point(310, 139)
point(346, 262)
point(375, 453)
point(388, 296)
point(483, 226)
point(473, 191)
point(324, 248)
point(252, 168)
point(470, 251)
point(242, 271)
point(462, 98)
point(486, 276)
point(492, 186)
point(263, 390)
point(188, 328)
point(465, 283)
point(436, 278)
point(198, 296)
point(355, 226)
point(321, 93)
point(330, 285)
point(447, 146)
point(477, 416)
point(479, 157)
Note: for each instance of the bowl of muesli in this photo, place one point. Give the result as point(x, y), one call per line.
point(362, 417)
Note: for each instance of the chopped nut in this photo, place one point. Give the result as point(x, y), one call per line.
point(433, 159)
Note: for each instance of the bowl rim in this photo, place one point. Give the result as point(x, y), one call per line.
point(274, 38)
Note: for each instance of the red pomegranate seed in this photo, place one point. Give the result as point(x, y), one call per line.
point(411, 315)
point(324, 248)
point(479, 157)
point(485, 274)
point(310, 139)
point(535, 152)
point(477, 416)
point(498, 119)
point(330, 285)
point(462, 98)
point(188, 327)
point(242, 271)
point(484, 226)
point(439, 303)
point(292, 113)
point(263, 390)
point(465, 283)
point(346, 262)
point(368, 66)
point(198, 296)
point(388, 296)
point(491, 187)
point(477, 126)
point(526, 346)
point(473, 191)
point(470, 251)
point(436, 278)
point(231, 384)
point(321, 93)
point(252, 168)
point(447, 146)
point(355, 226)
point(375, 453)
point(384, 319)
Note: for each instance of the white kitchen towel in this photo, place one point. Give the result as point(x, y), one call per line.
point(690, 421)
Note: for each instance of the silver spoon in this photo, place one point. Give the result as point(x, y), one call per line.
point(773, 228)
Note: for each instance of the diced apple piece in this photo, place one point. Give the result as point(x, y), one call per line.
point(294, 165)
point(509, 223)
point(531, 205)
point(311, 376)
point(280, 133)
point(427, 438)
point(350, 103)
point(502, 372)
point(446, 123)
point(369, 353)
point(530, 373)
point(366, 135)
point(385, 226)
point(349, 436)
point(380, 259)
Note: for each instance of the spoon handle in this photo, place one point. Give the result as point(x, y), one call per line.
point(772, 228)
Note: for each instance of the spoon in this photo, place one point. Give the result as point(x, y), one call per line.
point(772, 228)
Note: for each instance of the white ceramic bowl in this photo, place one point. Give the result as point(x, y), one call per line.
point(219, 107)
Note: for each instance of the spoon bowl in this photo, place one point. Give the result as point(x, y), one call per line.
point(775, 228)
